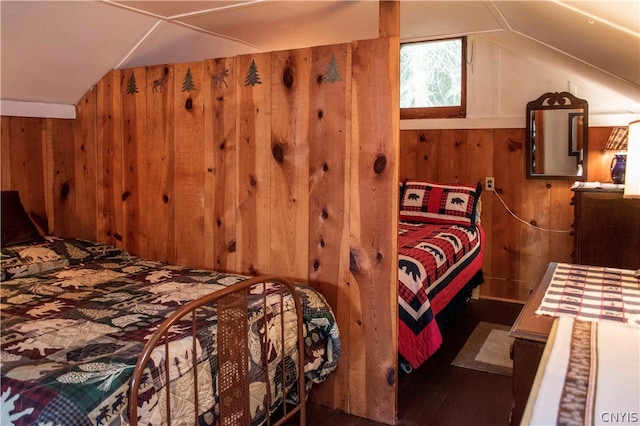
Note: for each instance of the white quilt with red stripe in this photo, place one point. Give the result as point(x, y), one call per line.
point(589, 375)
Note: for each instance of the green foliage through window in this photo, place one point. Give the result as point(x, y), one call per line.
point(431, 74)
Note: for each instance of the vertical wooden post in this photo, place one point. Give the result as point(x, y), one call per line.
point(133, 86)
point(373, 229)
point(220, 161)
point(189, 163)
point(329, 189)
point(109, 140)
point(289, 162)
point(389, 18)
point(253, 126)
point(160, 206)
point(86, 166)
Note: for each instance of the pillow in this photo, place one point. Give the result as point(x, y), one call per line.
point(440, 203)
point(23, 260)
point(17, 227)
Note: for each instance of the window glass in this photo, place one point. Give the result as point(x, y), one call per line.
point(433, 79)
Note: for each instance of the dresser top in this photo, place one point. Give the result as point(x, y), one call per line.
point(597, 187)
point(529, 325)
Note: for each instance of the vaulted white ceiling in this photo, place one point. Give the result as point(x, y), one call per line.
point(52, 52)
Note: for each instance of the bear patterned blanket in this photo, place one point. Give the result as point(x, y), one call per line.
point(435, 263)
point(76, 314)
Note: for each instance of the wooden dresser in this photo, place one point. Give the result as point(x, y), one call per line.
point(530, 333)
point(607, 229)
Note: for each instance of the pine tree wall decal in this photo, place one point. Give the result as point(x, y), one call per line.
point(132, 87)
point(188, 85)
point(252, 75)
point(332, 74)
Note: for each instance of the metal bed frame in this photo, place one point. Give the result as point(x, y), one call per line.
point(233, 351)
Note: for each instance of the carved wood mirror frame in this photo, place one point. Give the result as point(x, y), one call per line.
point(557, 137)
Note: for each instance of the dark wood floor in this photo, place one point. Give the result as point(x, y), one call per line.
point(438, 393)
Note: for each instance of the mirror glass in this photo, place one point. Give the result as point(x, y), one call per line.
point(556, 136)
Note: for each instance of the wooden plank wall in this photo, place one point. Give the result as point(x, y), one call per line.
point(516, 255)
point(275, 163)
point(329, 191)
point(65, 182)
point(373, 226)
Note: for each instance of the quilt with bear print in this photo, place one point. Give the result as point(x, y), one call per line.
point(72, 331)
point(435, 262)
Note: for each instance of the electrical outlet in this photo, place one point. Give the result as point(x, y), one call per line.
point(489, 183)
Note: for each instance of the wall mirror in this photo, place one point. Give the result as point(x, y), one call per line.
point(557, 137)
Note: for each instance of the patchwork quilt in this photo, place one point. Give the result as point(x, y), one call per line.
point(75, 316)
point(435, 262)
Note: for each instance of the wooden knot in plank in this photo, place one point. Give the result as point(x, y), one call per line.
point(165, 198)
point(514, 145)
point(125, 195)
point(353, 260)
point(391, 376)
point(64, 190)
point(188, 104)
point(231, 247)
point(287, 77)
point(380, 164)
point(277, 150)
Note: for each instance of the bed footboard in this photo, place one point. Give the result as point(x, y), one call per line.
point(220, 320)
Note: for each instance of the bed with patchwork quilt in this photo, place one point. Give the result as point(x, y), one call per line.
point(76, 315)
point(94, 336)
point(440, 256)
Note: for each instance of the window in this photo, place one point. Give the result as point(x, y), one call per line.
point(433, 79)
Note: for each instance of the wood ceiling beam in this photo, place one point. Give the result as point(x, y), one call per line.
point(389, 18)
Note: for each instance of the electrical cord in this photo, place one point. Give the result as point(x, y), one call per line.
point(524, 221)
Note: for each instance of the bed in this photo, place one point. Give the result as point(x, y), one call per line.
point(78, 316)
point(440, 255)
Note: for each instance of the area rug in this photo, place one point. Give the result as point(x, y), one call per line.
point(487, 349)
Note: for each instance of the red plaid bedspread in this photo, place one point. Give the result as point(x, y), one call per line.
point(435, 263)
